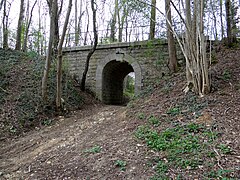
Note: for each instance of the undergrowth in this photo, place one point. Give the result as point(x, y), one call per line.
point(21, 105)
point(184, 147)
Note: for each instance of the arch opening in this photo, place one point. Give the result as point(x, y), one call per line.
point(113, 76)
point(110, 75)
point(129, 87)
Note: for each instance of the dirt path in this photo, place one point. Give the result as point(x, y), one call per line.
point(66, 149)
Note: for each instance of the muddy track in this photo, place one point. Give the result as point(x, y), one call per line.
point(59, 151)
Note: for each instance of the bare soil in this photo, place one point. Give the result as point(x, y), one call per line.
point(65, 149)
point(59, 151)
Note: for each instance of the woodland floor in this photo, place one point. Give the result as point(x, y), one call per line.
point(99, 141)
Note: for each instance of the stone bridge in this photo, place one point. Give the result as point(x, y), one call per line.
point(111, 63)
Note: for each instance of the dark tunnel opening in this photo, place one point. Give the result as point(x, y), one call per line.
point(113, 82)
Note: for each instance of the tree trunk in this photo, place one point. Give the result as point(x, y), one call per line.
point(187, 43)
point(28, 23)
point(86, 34)
point(19, 28)
point(5, 25)
point(195, 50)
point(80, 23)
point(84, 76)
point(232, 20)
point(229, 22)
point(221, 18)
point(56, 32)
point(50, 49)
point(171, 42)
point(152, 20)
point(59, 62)
point(113, 23)
point(121, 21)
point(76, 24)
point(213, 6)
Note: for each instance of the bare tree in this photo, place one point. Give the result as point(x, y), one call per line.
point(59, 62)
point(84, 75)
point(152, 20)
point(195, 50)
point(5, 21)
point(19, 28)
point(27, 24)
point(53, 14)
point(113, 22)
point(228, 19)
point(56, 16)
point(171, 41)
point(87, 28)
point(221, 17)
point(231, 22)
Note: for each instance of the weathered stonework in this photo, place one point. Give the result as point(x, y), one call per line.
point(110, 64)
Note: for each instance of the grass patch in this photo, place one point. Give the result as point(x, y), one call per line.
point(226, 75)
point(224, 149)
point(95, 149)
point(174, 111)
point(154, 121)
point(185, 146)
point(219, 174)
point(121, 164)
point(141, 116)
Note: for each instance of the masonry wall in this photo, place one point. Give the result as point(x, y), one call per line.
point(152, 56)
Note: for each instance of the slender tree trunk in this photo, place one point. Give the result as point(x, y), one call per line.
point(39, 30)
point(19, 28)
point(50, 49)
point(28, 23)
point(84, 76)
point(80, 23)
point(119, 26)
point(171, 42)
point(76, 24)
point(213, 6)
point(153, 20)
point(56, 33)
point(27, 16)
point(5, 25)
point(86, 34)
point(121, 21)
point(187, 45)
point(221, 18)
point(59, 62)
point(228, 19)
point(113, 23)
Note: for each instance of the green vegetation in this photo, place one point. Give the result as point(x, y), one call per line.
point(226, 75)
point(219, 174)
point(121, 164)
point(95, 149)
point(129, 87)
point(20, 87)
point(184, 147)
point(148, 90)
point(141, 116)
point(154, 121)
point(224, 149)
point(174, 111)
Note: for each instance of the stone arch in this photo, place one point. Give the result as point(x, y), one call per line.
point(110, 74)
